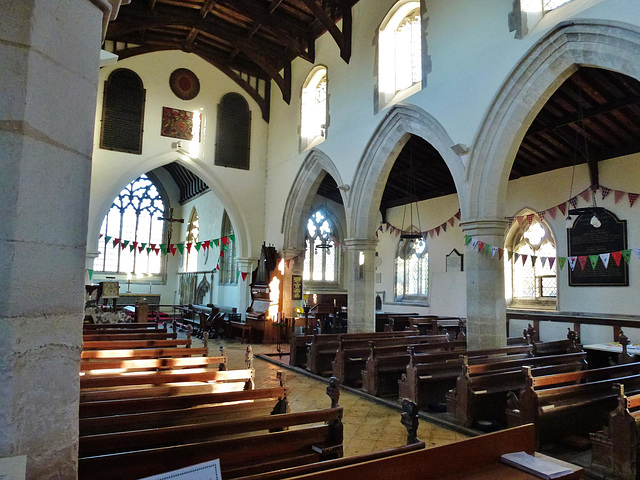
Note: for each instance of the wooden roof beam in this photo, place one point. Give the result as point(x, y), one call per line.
point(342, 38)
point(207, 7)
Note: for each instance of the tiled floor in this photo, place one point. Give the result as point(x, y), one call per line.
point(368, 426)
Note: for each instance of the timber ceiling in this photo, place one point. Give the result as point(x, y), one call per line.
point(593, 116)
point(251, 41)
point(190, 185)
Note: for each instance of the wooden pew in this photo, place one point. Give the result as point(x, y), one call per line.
point(385, 365)
point(351, 356)
point(615, 449)
point(150, 364)
point(574, 403)
point(90, 327)
point(253, 445)
point(175, 352)
point(482, 388)
point(129, 336)
point(476, 458)
point(429, 376)
point(135, 344)
point(322, 348)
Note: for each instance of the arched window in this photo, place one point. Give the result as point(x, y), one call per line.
point(122, 112)
point(412, 270)
point(313, 121)
point(400, 53)
point(228, 267)
point(532, 281)
point(193, 234)
point(321, 256)
point(136, 219)
point(233, 137)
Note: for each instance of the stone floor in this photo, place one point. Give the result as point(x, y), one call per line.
point(368, 426)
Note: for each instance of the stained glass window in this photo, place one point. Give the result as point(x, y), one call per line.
point(320, 263)
point(135, 217)
point(412, 269)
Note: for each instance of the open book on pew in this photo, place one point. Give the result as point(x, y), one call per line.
point(539, 467)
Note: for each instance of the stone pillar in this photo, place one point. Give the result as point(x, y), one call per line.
point(49, 60)
point(245, 264)
point(361, 267)
point(293, 257)
point(486, 308)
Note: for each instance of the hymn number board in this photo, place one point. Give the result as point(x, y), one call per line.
point(584, 239)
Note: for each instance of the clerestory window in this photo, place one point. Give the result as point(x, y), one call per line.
point(313, 117)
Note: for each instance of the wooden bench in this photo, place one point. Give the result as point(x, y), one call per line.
point(429, 376)
point(122, 344)
point(476, 458)
point(129, 336)
point(351, 356)
point(482, 388)
point(615, 449)
point(89, 327)
point(574, 403)
point(93, 367)
point(140, 353)
point(250, 446)
point(322, 349)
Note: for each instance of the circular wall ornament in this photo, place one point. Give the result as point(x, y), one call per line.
point(184, 84)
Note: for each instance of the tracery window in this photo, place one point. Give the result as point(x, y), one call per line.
point(412, 270)
point(135, 217)
point(313, 122)
point(320, 261)
point(532, 282)
point(400, 53)
point(193, 234)
point(228, 266)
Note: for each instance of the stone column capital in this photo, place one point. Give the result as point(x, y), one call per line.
point(246, 264)
point(360, 243)
point(484, 227)
point(289, 253)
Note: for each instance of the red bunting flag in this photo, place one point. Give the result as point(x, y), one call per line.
point(632, 199)
point(605, 192)
point(244, 276)
point(444, 227)
point(438, 231)
point(524, 258)
point(431, 232)
point(173, 249)
point(618, 195)
point(217, 266)
point(520, 219)
point(116, 241)
point(617, 256)
point(480, 246)
point(586, 195)
point(530, 218)
point(563, 208)
point(225, 240)
point(451, 220)
point(153, 246)
point(140, 248)
point(552, 212)
point(221, 253)
point(123, 245)
point(500, 253)
point(189, 247)
point(135, 244)
point(573, 201)
point(583, 261)
point(100, 236)
point(457, 215)
point(157, 250)
point(206, 244)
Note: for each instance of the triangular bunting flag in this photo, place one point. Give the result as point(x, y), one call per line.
point(135, 244)
point(101, 235)
point(586, 195)
point(157, 250)
point(632, 199)
point(152, 245)
point(198, 246)
point(221, 253)
point(451, 221)
point(217, 266)
point(480, 246)
point(206, 244)
point(467, 239)
point(494, 250)
point(500, 253)
point(131, 247)
point(244, 276)
point(107, 239)
point(543, 260)
point(232, 238)
point(541, 215)
point(552, 212)
point(216, 242)
point(437, 229)
point(616, 257)
point(189, 247)
point(225, 247)
point(163, 247)
point(510, 221)
point(626, 254)
point(605, 192)
point(516, 257)
point(487, 249)
point(173, 249)
point(143, 245)
point(594, 261)
point(562, 261)
point(573, 201)
point(116, 241)
point(520, 219)
point(149, 249)
point(237, 275)
point(563, 208)
point(533, 260)
point(431, 233)
point(509, 254)
point(122, 246)
point(474, 243)
point(637, 252)
point(618, 195)
point(582, 259)
point(605, 259)
point(552, 260)
point(180, 247)
point(225, 240)
point(524, 258)
point(572, 262)
point(125, 242)
point(530, 218)
point(457, 215)
point(140, 249)
point(90, 274)
point(444, 227)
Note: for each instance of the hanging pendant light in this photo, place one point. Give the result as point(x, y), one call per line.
point(411, 233)
point(324, 239)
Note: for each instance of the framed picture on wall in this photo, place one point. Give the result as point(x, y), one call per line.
point(455, 261)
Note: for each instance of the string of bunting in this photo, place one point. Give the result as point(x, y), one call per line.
point(171, 248)
point(593, 260)
point(586, 195)
point(387, 227)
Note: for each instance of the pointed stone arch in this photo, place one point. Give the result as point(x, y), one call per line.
point(383, 149)
point(303, 191)
point(609, 45)
point(101, 205)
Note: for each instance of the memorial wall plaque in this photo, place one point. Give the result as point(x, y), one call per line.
point(455, 261)
point(584, 239)
point(296, 287)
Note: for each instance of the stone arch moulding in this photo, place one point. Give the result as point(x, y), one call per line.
point(608, 45)
point(303, 190)
point(380, 155)
point(198, 167)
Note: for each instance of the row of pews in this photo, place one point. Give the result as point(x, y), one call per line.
point(152, 403)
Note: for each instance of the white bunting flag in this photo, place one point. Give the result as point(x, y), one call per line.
point(572, 262)
point(605, 259)
point(474, 242)
point(637, 252)
point(494, 250)
point(543, 260)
